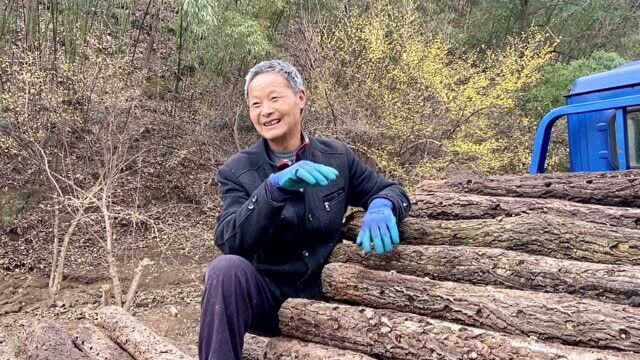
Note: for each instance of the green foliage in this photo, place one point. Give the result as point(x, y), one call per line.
point(155, 87)
point(581, 26)
point(417, 88)
point(64, 27)
point(15, 344)
point(557, 79)
point(11, 204)
point(224, 35)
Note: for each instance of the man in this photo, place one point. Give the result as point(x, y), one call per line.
point(284, 199)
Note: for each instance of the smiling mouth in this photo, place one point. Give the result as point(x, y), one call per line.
point(271, 123)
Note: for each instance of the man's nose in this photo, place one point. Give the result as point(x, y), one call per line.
point(267, 109)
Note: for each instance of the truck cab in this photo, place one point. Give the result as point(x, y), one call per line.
point(603, 115)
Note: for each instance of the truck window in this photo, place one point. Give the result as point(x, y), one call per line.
point(633, 122)
point(633, 140)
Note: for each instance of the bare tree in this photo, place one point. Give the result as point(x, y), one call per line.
point(86, 159)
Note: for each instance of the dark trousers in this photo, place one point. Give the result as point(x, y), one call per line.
point(236, 299)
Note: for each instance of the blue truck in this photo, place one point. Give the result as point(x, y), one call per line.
point(603, 118)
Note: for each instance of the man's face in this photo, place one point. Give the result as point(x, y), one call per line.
point(273, 107)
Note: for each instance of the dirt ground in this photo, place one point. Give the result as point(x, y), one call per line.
point(168, 300)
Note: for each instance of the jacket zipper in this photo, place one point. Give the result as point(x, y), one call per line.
point(330, 197)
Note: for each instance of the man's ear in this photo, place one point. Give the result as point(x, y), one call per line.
point(302, 97)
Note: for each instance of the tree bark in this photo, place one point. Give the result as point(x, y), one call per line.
point(281, 348)
point(390, 334)
point(534, 234)
point(504, 268)
point(613, 188)
point(7, 353)
point(95, 343)
point(450, 206)
point(556, 317)
point(46, 340)
point(254, 347)
point(135, 337)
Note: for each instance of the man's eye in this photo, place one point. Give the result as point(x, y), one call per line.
point(255, 105)
point(275, 98)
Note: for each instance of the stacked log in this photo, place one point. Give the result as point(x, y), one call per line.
point(390, 334)
point(260, 348)
point(614, 188)
point(504, 268)
point(453, 206)
point(534, 234)
point(557, 317)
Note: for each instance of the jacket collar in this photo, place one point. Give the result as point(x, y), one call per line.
point(300, 150)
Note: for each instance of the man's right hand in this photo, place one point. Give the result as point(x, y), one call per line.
point(303, 174)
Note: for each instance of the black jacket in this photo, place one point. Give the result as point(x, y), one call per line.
point(290, 242)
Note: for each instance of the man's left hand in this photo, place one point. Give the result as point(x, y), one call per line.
point(379, 225)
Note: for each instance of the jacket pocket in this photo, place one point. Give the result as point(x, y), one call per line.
point(330, 198)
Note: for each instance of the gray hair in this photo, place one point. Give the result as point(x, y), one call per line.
point(286, 70)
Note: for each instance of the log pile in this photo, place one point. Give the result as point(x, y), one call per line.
point(529, 267)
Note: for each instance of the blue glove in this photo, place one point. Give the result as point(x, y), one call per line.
point(303, 174)
point(379, 225)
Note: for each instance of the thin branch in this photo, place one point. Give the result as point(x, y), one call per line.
point(135, 283)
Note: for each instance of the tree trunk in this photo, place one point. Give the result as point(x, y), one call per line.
point(95, 343)
point(135, 337)
point(450, 206)
point(614, 188)
point(524, 16)
point(152, 37)
point(390, 334)
point(46, 340)
point(504, 268)
point(534, 234)
point(556, 317)
point(111, 259)
point(59, 275)
point(281, 348)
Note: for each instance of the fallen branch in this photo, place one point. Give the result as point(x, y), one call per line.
point(135, 337)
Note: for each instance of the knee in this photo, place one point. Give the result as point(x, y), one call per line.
point(226, 267)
